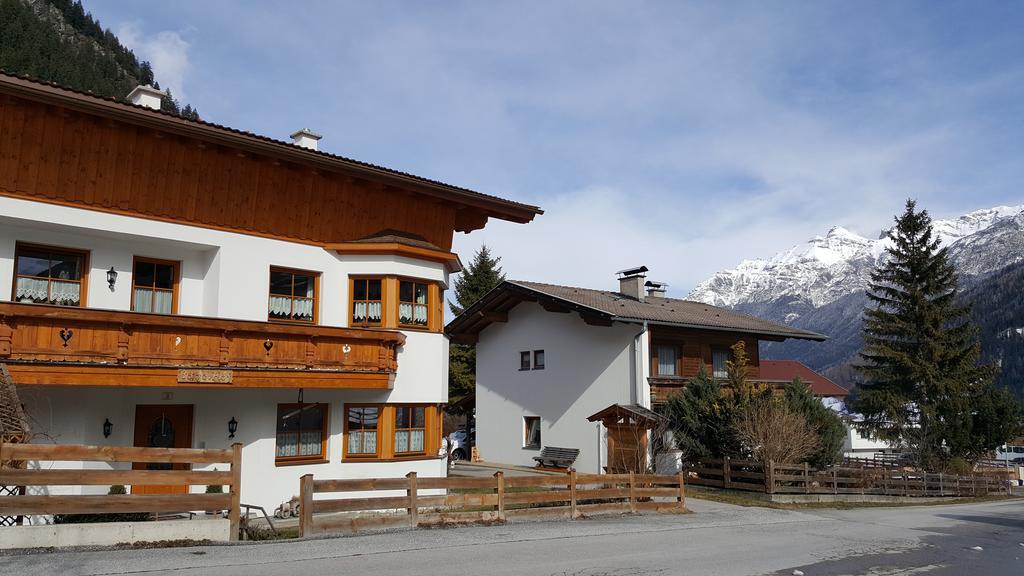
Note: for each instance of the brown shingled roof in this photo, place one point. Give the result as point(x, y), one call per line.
point(396, 237)
point(615, 307)
point(787, 370)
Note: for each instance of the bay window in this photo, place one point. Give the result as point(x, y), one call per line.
point(413, 309)
point(367, 302)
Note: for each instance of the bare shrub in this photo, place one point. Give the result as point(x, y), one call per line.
point(772, 431)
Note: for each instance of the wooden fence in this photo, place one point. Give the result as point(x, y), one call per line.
point(774, 478)
point(123, 503)
point(494, 499)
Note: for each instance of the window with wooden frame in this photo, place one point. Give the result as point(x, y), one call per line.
point(531, 432)
point(293, 295)
point(367, 302)
point(720, 362)
point(413, 304)
point(45, 275)
point(410, 430)
point(666, 359)
point(154, 286)
point(361, 431)
point(301, 433)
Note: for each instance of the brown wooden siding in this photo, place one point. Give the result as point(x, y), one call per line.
point(696, 347)
point(65, 157)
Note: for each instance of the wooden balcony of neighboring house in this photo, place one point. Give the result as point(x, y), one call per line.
point(64, 346)
point(662, 387)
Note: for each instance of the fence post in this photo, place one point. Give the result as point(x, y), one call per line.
point(632, 492)
point(769, 478)
point(835, 482)
point(306, 505)
point(572, 493)
point(235, 512)
point(905, 493)
point(499, 489)
point(941, 487)
point(413, 506)
point(957, 485)
point(885, 481)
point(726, 472)
point(682, 490)
point(807, 479)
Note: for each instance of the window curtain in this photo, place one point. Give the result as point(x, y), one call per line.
point(65, 293)
point(409, 441)
point(303, 309)
point(32, 290)
point(718, 363)
point(666, 360)
point(287, 444)
point(280, 306)
point(149, 300)
point(368, 310)
point(412, 314)
point(362, 442)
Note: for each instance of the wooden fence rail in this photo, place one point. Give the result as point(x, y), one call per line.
point(120, 503)
point(461, 500)
point(772, 478)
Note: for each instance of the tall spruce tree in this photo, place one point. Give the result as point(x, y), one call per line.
point(923, 386)
point(479, 278)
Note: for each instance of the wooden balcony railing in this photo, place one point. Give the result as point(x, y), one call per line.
point(79, 346)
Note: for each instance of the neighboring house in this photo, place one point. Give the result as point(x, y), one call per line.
point(550, 357)
point(176, 283)
point(785, 371)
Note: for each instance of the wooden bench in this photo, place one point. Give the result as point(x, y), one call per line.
point(557, 457)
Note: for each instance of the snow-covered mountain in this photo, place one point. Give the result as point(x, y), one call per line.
point(826, 268)
point(819, 285)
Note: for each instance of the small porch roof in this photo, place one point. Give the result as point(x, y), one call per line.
point(628, 413)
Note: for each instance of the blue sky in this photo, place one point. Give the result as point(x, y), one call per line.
point(682, 136)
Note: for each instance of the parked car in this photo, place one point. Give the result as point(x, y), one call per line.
point(461, 443)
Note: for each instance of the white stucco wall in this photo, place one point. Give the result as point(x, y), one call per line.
point(223, 275)
point(587, 368)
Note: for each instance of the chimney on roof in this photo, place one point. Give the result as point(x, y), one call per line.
point(146, 95)
point(306, 138)
point(656, 289)
point(631, 282)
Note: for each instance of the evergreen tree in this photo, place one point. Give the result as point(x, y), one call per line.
point(481, 276)
point(701, 419)
point(827, 424)
point(923, 385)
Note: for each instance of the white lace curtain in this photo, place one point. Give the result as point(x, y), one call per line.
point(412, 314)
point(297, 308)
point(362, 442)
point(156, 301)
point(42, 291)
point(306, 443)
point(369, 310)
point(409, 441)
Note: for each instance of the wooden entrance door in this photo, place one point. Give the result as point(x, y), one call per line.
point(162, 426)
point(627, 448)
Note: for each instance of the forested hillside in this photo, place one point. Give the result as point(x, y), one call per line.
point(999, 312)
point(58, 41)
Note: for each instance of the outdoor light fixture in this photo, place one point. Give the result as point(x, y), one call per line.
point(107, 427)
point(111, 278)
point(232, 427)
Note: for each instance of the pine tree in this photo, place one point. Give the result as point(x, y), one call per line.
point(827, 424)
point(701, 419)
point(481, 276)
point(924, 387)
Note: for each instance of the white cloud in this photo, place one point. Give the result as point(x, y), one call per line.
point(167, 51)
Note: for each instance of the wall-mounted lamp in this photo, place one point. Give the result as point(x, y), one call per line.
point(232, 427)
point(111, 278)
point(107, 428)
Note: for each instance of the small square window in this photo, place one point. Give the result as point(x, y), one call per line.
point(531, 432)
point(538, 359)
point(524, 360)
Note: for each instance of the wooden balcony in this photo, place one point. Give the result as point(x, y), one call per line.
point(53, 345)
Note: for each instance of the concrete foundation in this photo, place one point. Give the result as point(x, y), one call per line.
point(107, 534)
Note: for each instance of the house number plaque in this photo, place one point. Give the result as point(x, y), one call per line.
point(199, 376)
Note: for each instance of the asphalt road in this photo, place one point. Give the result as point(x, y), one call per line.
point(718, 539)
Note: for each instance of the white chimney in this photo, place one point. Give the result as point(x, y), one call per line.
point(146, 96)
point(656, 289)
point(306, 138)
point(631, 282)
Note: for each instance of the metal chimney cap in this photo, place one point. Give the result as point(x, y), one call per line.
point(628, 272)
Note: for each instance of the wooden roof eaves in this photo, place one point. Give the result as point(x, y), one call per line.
point(781, 335)
point(231, 138)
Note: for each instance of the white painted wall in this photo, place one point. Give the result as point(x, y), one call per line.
point(223, 275)
point(588, 368)
point(75, 415)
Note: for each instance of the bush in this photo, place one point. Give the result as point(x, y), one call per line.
point(771, 430)
point(700, 419)
point(828, 426)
